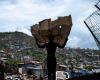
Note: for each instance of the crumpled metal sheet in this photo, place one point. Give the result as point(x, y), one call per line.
point(59, 29)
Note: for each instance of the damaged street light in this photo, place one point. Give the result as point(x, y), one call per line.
point(51, 34)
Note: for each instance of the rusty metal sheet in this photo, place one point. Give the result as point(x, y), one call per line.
point(59, 28)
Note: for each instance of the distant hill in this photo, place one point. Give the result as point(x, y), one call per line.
point(20, 44)
point(16, 40)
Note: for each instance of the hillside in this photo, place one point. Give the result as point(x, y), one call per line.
point(20, 45)
point(16, 40)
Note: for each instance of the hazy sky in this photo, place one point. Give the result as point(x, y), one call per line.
point(21, 14)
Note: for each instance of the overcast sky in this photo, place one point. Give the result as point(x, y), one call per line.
point(21, 14)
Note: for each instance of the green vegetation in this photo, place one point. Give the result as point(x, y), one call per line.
point(89, 67)
point(61, 58)
point(12, 61)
